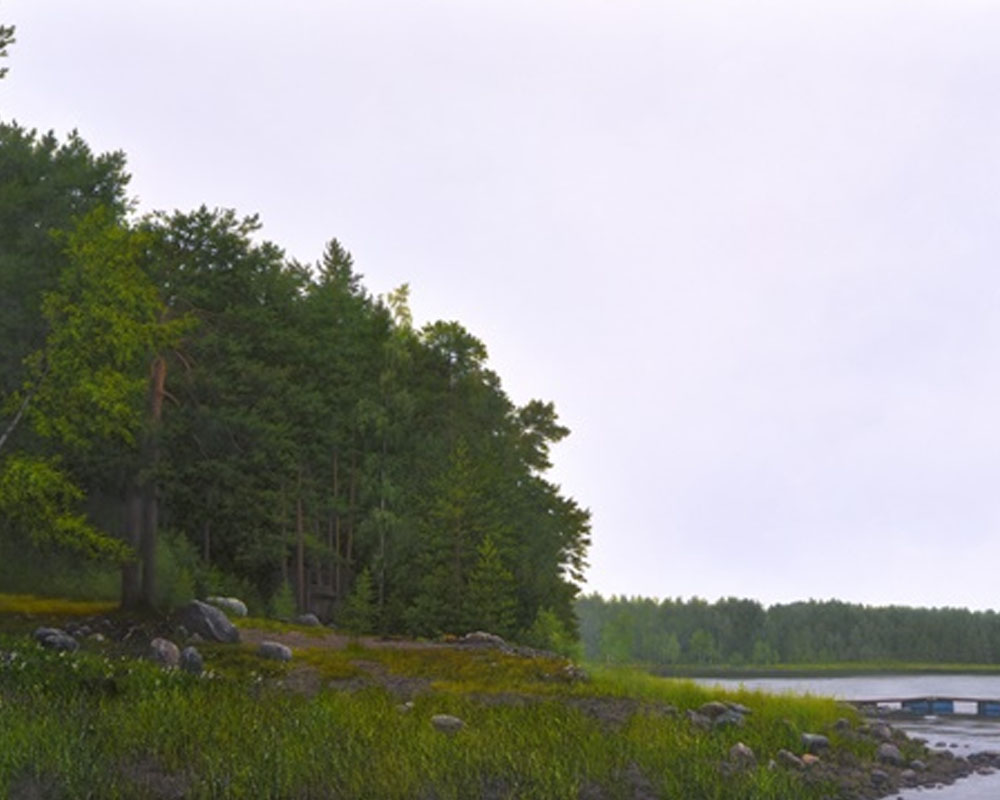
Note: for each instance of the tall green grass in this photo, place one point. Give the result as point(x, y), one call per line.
point(90, 724)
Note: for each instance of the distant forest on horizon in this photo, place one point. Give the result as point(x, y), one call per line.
point(738, 632)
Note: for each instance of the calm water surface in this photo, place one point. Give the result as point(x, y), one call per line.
point(961, 736)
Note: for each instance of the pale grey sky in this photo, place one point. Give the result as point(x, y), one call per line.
point(747, 248)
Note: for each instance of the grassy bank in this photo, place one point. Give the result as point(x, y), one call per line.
point(329, 724)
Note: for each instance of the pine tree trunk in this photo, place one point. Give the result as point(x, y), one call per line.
point(300, 551)
point(151, 460)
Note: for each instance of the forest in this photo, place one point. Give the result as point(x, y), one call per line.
point(186, 410)
point(734, 631)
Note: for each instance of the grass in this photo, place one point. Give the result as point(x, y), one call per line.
point(73, 722)
point(32, 605)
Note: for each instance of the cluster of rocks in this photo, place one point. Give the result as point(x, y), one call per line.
point(716, 714)
point(890, 771)
point(482, 639)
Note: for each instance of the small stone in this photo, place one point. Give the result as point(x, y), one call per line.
point(56, 639)
point(164, 652)
point(882, 731)
point(308, 619)
point(742, 756)
point(918, 765)
point(191, 661)
point(405, 708)
point(789, 760)
point(889, 754)
point(446, 723)
point(842, 724)
point(808, 759)
point(275, 651)
point(739, 708)
point(880, 777)
point(97, 637)
point(814, 742)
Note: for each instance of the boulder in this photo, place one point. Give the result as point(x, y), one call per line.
point(888, 753)
point(164, 652)
point(483, 639)
point(191, 661)
point(446, 723)
point(275, 651)
point(814, 742)
point(713, 709)
point(789, 760)
point(308, 619)
point(56, 639)
point(231, 605)
point(728, 719)
point(208, 622)
point(742, 756)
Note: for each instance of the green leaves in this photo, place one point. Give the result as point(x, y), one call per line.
point(37, 498)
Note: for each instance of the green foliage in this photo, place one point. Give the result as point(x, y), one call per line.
point(491, 591)
point(360, 612)
point(178, 569)
point(38, 501)
point(280, 417)
point(548, 632)
point(741, 632)
point(282, 604)
point(6, 39)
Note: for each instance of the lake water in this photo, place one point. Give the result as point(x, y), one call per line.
point(961, 735)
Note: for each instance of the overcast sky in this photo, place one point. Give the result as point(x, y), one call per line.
point(749, 249)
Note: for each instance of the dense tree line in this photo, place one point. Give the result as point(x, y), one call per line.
point(732, 631)
point(287, 429)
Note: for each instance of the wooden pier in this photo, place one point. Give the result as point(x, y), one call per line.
point(932, 706)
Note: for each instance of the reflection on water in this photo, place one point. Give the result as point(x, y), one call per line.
point(961, 735)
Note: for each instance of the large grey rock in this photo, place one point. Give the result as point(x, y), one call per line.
point(446, 723)
point(308, 619)
point(164, 652)
point(814, 742)
point(208, 622)
point(231, 605)
point(191, 661)
point(888, 753)
point(56, 639)
point(275, 651)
